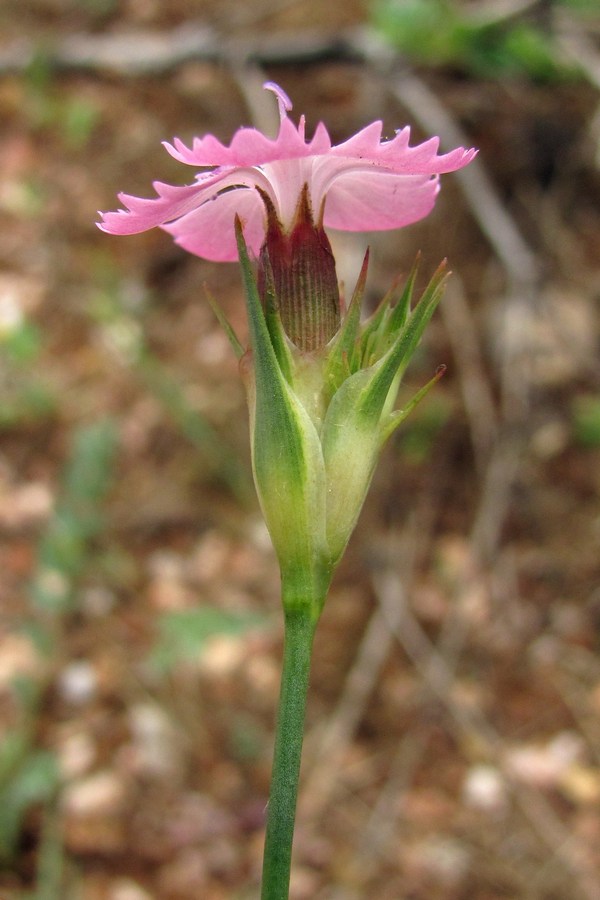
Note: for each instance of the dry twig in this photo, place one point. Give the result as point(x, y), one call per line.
point(474, 383)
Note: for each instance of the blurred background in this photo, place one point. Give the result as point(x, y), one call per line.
point(453, 726)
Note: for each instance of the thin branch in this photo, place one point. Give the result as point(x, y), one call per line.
point(496, 495)
point(475, 387)
point(144, 52)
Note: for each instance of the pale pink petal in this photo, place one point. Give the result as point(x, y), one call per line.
point(141, 214)
point(396, 155)
point(422, 159)
point(208, 231)
point(364, 143)
point(175, 202)
point(367, 184)
point(250, 147)
point(378, 201)
point(287, 178)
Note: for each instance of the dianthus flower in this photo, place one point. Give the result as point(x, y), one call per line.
point(321, 383)
point(362, 184)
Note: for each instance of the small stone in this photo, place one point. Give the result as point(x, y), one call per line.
point(222, 656)
point(126, 889)
point(545, 765)
point(156, 750)
point(25, 506)
point(484, 789)
point(78, 682)
point(19, 296)
point(97, 602)
point(19, 658)
point(102, 793)
point(76, 754)
point(94, 814)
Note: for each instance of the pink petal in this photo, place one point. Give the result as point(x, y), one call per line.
point(377, 201)
point(422, 159)
point(250, 147)
point(141, 213)
point(364, 143)
point(208, 231)
point(396, 155)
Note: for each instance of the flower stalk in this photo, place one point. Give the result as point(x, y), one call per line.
point(289, 734)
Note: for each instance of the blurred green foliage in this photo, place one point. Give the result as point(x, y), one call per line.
point(65, 546)
point(417, 439)
point(48, 107)
point(26, 396)
point(22, 344)
point(28, 778)
point(183, 635)
point(29, 775)
point(25, 197)
point(24, 402)
point(586, 420)
point(444, 33)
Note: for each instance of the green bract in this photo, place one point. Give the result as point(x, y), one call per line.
point(319, 419)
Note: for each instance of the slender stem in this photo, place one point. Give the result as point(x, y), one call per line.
point(299, 632)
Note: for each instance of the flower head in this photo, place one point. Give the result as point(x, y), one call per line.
point(321, 383)
point(362, 184)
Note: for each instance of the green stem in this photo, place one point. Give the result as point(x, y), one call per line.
point(299, 633)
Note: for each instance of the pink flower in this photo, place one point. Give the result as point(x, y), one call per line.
point(363, 184)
